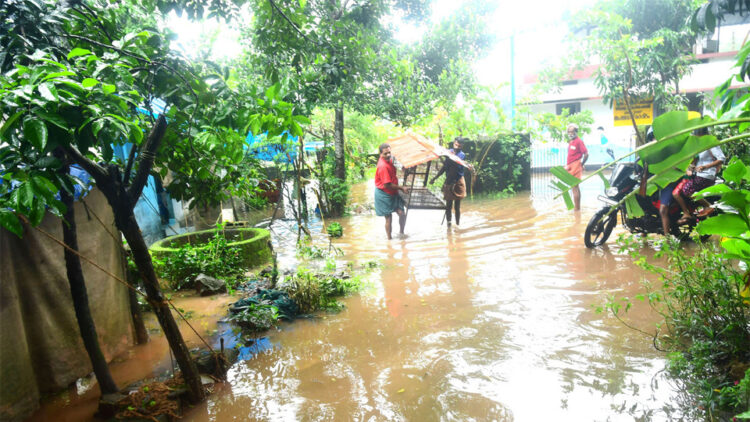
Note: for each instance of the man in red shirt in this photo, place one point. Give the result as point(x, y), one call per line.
point(577, 156)
point(387, 200)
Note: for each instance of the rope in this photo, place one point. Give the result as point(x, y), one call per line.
point(169, 302)
point(107, 228)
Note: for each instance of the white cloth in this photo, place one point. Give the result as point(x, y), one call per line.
point(707, 157)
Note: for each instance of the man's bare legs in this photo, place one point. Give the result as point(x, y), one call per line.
point(401, 222)
point(664, 214)
point(680, 200)
point(576, 197)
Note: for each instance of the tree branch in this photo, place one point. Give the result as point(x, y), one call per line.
point(129, 166)
point(141, 59)
point(95, 170)
point(286, 18)
point(146, 158)
point(315, 134)
point(92, 18)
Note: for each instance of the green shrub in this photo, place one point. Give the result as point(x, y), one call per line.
point(336, 192)
point(218, 260)
point(706, 325)
point(313, 292)
point(308, 251)
point(335, 230)
point(259, 317)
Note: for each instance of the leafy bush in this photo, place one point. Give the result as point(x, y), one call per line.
point(217, 260)
point(259, 317)
point(335, 230)
point(706, 325)
point(308, 251)
point(313, 292)
point(502, 165)
point(336, 193)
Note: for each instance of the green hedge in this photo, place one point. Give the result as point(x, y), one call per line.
point(502, 164)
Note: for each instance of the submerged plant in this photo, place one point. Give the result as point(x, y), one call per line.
point(259, 317)
point(335, 230)
point(313, 292)
point(309, 251)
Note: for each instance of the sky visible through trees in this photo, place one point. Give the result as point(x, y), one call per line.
point(539, 27)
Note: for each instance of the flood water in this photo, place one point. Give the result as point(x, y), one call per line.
point(492, 320)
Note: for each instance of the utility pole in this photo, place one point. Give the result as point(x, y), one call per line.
point(513, 81)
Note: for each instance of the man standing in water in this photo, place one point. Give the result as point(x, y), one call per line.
point(577, 156)
point(454, 188)
point(387, 200)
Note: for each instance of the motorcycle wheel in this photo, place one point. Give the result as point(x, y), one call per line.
point(599, 228)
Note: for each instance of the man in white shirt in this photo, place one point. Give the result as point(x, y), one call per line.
point(706, 167)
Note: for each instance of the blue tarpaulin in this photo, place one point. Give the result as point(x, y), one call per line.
point(281, 151)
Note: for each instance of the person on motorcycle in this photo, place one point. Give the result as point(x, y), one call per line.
point(707, 164)
point(665, 195)
point(577, 156)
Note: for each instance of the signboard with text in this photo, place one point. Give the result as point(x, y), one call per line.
point(643, 112)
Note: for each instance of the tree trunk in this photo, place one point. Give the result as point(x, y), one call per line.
point(338, 145)
point(141, 335)
point(81, 299)
point(126, 223)
point(122, 200)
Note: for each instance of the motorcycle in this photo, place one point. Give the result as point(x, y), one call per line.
point(624, 179)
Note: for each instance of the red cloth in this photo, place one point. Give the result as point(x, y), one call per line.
point(385, 173)
point(576, 149)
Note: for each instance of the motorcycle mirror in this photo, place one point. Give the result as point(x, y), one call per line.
point(611, 153)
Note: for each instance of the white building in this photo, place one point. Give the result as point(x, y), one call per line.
point(716, 55)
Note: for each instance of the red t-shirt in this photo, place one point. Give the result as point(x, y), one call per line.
point(385, 173)
point(576, 149)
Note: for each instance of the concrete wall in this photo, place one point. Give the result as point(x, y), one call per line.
point(41, 350)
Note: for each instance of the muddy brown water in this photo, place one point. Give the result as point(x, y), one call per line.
point(492, 320)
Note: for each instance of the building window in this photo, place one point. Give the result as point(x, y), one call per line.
point(573, 108)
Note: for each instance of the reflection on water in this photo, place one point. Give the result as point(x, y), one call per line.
point(492, 320)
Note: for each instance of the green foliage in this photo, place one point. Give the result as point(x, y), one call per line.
point(556, 125)
point(214, 258)
point(363, 133)
point(502, 164)
point(739, 149)
point(336, 195)
point(481, 115)
point(260, 317)
point(735, 103)
point(734, 225)
point(310, 251)
point(335, 230)
point(313, 292)
point(73, 83)
point(706, 323)
point(644, 47)
point(713, 11)
point(671, 153)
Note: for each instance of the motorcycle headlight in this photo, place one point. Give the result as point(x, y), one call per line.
point(611, 191)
